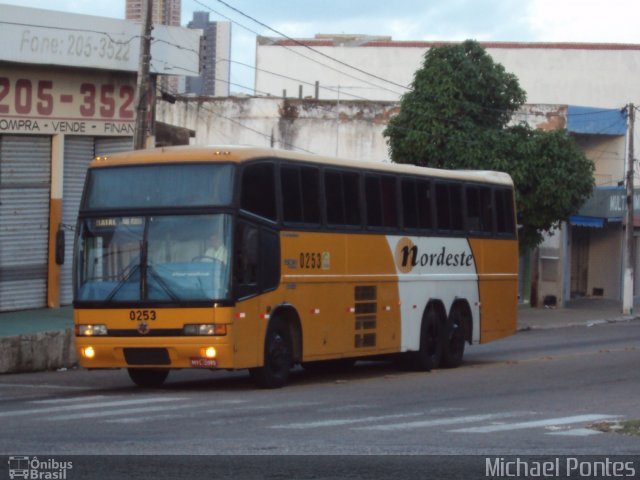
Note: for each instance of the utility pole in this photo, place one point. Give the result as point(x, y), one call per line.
point(627, 296)
point(338, 121)
point(143, 86)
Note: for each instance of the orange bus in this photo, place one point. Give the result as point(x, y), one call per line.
point(261, 259)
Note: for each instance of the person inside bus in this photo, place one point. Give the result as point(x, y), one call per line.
point(215, 249)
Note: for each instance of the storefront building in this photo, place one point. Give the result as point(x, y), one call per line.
point(67, 94)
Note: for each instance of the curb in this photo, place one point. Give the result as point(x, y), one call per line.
point(585, 323)
point(33, 352)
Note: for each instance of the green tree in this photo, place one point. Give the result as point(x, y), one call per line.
point(457, 115)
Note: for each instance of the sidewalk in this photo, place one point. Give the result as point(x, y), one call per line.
point(583, 311)
point(42, 339)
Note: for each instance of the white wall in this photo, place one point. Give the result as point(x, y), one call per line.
point(353, 130)
point(575, 74)
point(350, 129)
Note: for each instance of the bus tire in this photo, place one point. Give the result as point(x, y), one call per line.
point(454, 348)
point(278, 357)
point(429, 355)
point(148, 377)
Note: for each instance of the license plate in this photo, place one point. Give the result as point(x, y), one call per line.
point(200, 362)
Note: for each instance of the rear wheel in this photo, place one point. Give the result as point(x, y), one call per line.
point(431, 343)
point(278, 357)
point(148, 377)
point(454, 348)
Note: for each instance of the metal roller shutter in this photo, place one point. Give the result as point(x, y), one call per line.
point(78, 153)
point(106, 146)
point(25, 178)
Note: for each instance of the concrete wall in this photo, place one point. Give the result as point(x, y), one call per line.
point(350, 130)
point(608, 155)
point(605, 260)
point(32, 352)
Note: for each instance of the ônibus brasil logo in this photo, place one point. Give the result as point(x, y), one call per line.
point(38, 469)
point(409, 255)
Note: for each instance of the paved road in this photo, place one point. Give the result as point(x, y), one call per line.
point(535, 393)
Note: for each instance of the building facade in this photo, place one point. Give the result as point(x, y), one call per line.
point(164, 12)
point(215, 53)
point(68, 96)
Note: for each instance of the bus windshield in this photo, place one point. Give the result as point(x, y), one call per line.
point(160, 258)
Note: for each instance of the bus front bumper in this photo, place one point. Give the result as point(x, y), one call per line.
point(161, 352)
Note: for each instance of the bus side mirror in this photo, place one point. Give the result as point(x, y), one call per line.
point(60, 246)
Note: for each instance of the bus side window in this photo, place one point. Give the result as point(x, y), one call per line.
point(374, 203)
point(449, 206)
point(246, 259)
point(269, 259)
point(310, 194)
point(479, 211)
point(425, 215)
point(258, 190)
point(257, 267)
point(505, 222)
point(342, 196)
point(300, 190)
point(409, 203)
point(389, 201)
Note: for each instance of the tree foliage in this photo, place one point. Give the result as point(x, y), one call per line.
point(457, 116)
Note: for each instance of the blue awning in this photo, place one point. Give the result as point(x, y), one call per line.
point(596, 121)
point(581, 221)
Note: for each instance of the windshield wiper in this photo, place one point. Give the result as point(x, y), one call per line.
point(132, 268)
point(158, 278)
point(121, 283)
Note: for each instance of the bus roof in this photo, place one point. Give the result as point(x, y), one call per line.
point(238, 154)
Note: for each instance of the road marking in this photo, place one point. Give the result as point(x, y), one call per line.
point(44, 385)
point(278, 406)
point(576, 432)
point(443, 421)
point(69, 400)
point(119, 403)
point(345, 421)
point(258, 408)
point(142, 419)
point(535, 423)
point(108, 413)
point(182, 411)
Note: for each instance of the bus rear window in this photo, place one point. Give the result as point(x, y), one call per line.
point(186, 185)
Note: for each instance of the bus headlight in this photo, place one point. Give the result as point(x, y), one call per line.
point(205, 329)
point(88, 352)
point(208, 352)
point(91, 330)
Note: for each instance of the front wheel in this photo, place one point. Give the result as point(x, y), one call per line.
point(148, 377)
point(278, 357)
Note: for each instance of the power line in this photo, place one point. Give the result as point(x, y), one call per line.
point(237, 122)
point(71, 29)
point(300, 53)
point(310, 48)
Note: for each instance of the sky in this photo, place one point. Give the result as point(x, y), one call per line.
point(593, 21)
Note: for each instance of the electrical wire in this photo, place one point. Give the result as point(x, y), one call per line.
point(310, 48)
point(72, 29)
point(299, 53)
